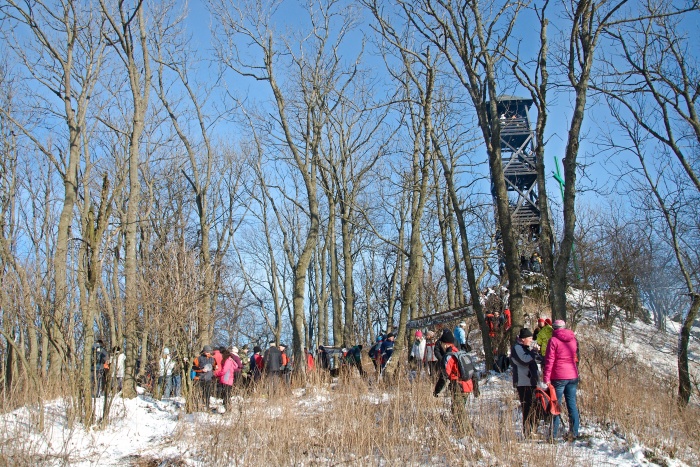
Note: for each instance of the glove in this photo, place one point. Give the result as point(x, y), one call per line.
point(542, 385)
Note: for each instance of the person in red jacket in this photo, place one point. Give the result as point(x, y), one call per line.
point(459, 385)
point(256, 365)
point(561, 369)
point(310, 364)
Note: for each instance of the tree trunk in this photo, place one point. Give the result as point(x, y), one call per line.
point(130, 32)
point(684, 382)
point(334, 277)
point(346, 233)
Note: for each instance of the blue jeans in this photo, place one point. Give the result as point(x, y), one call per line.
point(177, 385)
point(166, 381)
point(567, 388)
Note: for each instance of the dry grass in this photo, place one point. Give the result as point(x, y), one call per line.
point(627, 396)
point(354, 424)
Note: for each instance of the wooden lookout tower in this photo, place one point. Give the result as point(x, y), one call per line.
point(519, 169)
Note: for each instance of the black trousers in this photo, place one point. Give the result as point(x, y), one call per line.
point(525, 394)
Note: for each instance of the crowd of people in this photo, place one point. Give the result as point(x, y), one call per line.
point(546, 357)
point(543, 357)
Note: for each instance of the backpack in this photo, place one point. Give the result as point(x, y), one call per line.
point(373, 350)
point(546, 400)
point(466, 365)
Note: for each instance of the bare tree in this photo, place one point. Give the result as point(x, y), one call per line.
point(474, 46)
point(652, 88)
point(128, 37)
point(64, 55)
point(185, 101)
point(353, 148)
point(301, 109)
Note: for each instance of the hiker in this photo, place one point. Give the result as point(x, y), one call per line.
point(387, 350)
point(225, 373)
point(322, 358)
point(165, 373)
point(204, 366)
point(507, 319)
point(310, 364)
point(374, 353)
point(272, 360)
point(177, 374)
point(120, 366)
point(285, 363)
point(536, 262)
point(561, 369)
point(544, 335)
point(457, 369)
point(496, 324)
point(525, 377)
point(245, 358)
point(430, 359)
point(97, 367)
point(540, 325)
point(256, 365)
point(354, 358)
point(460, 334)
point(418, 351)
point(239, 366)
point(217, 359)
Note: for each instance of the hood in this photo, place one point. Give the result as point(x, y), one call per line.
point(564, 335)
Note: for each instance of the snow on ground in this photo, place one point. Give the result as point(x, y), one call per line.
point(144, 428)
point(652, 347)
point(137, 426)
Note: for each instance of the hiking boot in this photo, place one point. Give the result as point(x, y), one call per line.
point(569, 437)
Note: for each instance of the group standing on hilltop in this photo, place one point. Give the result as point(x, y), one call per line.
point(545, 358)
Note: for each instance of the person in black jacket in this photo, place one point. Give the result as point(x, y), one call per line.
point(525, 377)
point(97, 367)
point(272, 361)
point(204, 366)
point(387, 349)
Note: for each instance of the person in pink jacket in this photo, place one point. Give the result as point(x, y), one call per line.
point(561, 369)
point(225, 374)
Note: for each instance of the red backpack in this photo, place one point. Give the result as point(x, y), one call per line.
point(546, 400)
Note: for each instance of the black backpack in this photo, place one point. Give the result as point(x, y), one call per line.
point(466, 365)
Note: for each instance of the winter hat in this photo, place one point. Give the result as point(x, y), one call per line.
point(207, 348)
point(525, 333)
point(560, 323)
point(257, 349)
point(234, 350)
point(283, 345)
point(548, 322)
point(419, 333)
point(447, 337)
point(166, 351)
point(541, 321)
